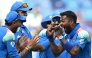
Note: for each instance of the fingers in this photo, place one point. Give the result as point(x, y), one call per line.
point(36, 38)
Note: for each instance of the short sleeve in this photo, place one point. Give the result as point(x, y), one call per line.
point(43, 39)
point(82, 38)
point(9, 41)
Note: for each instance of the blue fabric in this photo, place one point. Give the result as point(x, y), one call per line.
point(73, 38)
point(68, 46)
point(50, 37)
point(47, 53)
point(56, 13)
point(44, 42)
point(82, 42)
point(14, 16)
point(43, 23)
point(5, 46)
point(23, 29)
point(18, 6)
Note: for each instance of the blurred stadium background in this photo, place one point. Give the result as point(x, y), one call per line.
point(42, 8)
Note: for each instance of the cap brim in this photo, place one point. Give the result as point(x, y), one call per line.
point(43, 24)
point(56, 16)
point(25, 9)
point(22, 18)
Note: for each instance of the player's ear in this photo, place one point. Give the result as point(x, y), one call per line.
point(71, 22)
point(14, 23)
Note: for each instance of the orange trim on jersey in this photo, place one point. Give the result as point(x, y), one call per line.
point(7, 29)
point(80, 29)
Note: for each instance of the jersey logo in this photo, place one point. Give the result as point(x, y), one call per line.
point(18, 36)
point(12, 43)
point(73, 40)
point(67, 40)
point(81, 41)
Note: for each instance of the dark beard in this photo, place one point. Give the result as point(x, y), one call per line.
point(14, 31)
point(68, 30)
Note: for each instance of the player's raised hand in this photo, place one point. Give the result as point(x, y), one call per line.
point(34, 41)
point(21, 44)
point(58, 31)
point(50, 30)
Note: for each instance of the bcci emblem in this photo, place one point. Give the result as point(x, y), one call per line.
point(12, 43)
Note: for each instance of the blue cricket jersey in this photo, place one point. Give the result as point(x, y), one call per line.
point(82, 38)
point(7, 43)
point(23, 29)
point(47, 53)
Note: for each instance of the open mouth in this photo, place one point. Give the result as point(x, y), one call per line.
point(65, 28)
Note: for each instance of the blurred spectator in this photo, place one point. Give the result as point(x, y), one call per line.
point(87, 18)
point(34, 19)
point(57, 4)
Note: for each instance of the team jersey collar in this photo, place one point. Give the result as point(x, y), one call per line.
point(22, 25)
point(7, 27)
point(73, 32)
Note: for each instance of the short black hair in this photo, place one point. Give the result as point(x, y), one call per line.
point(69, 14)
point(7, 23)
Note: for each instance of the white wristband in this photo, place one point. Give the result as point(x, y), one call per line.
point(60, 37)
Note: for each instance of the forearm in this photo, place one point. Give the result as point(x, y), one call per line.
point(38, 47)
point(70, 47)
point(24, 52)
point(63, 41)
point(67, 45)
point(56, 49)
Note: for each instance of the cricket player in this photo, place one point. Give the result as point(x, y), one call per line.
point(47, 53)
point(7, 38)
point(22, 9)
point(75, 41)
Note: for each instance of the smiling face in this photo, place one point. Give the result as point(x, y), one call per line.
point(66, 23)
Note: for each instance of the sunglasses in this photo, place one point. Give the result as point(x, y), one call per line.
point(56, 19)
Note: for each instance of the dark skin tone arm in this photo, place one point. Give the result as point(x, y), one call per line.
point(31, 43)
point(21, 45)
point(38, 47)
point(74, 50)
point(57, 50)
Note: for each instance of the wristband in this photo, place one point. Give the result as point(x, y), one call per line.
point(68, 46)
point(50, 37)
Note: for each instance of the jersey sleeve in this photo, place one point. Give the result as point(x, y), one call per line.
point(43, 39)
point(82, 38)
point(9, 41)
point(44, 42)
